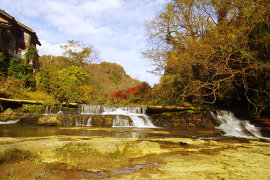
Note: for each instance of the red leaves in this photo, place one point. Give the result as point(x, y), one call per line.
point(121, 94)
point(134, 91)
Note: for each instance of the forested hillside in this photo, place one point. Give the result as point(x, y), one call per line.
point(73, 77)
point(87, 83)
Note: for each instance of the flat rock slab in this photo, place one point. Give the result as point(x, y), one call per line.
point(88, 157)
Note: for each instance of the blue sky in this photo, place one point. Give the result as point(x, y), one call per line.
point(116, 28)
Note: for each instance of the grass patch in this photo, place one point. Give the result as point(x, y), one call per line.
point(119, 153)
point(76, 151)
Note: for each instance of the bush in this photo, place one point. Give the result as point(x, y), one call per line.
point(33, 108)
point(20, 70)
point(12, 87)
point(134, 92)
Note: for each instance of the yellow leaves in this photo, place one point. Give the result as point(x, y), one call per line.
point(39, 96)
point(86, 93)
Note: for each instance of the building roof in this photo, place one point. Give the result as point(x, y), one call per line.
point(2, 20)
point(7, 19)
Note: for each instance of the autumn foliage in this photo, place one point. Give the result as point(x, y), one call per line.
point(214, 52)
point(132, 92)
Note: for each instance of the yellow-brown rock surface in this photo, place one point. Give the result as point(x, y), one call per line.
point(87, 157)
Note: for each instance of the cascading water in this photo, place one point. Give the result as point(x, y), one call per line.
point(48, 110)
point(9, 122)
point(125, 116)
point(89, 121)
point(232, 126)
point(60, 110)
point(100, 109)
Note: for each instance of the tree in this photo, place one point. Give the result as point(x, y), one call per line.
point(48, 61)
point(79, 54)
point(213, 50)
point(66, 85)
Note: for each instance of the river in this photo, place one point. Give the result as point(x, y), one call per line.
point(133, 147)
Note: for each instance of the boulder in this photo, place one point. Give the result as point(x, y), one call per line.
point(32, 119)
point(8, 114)
point(183, 119)
point(103, 121)
point(4, 117)
point(8, 111)
point(50, 120)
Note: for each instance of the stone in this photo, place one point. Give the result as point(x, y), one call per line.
point(4, 117)
point(183, 119)
point(159, 158)
point(8, 114)
point(29, 119)
point(8, 111)
point(103, 121)
point(51, 120)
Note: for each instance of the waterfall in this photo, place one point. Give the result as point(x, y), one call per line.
point(121, 122)
point(9, 122)
point(99, 109)
point(60, 110)
point(125, 116)
point(232, 126)
point(89, 121)
point(48, 110)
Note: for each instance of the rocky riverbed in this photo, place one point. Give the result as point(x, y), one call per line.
point(97, 157)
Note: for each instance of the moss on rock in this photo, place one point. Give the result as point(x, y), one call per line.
point(9, 114)
point(103, 121)
point(51, 120)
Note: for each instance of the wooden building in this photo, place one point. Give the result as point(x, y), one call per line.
point(16, 38)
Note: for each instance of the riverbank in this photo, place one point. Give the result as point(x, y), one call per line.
point(85, 157)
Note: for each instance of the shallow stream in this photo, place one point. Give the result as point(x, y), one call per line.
point(19, 130)
point(134, 146)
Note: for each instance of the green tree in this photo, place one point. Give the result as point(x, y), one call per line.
point(66, 85)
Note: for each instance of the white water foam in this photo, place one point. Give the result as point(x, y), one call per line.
point(9, 122)
point(126, 116)
point(99, 109)
point(138, 120)
point(89, 122)
point(235, 127)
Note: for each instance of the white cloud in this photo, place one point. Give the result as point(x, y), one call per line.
point(49, 49)
point(99, 6)
point(81, 17)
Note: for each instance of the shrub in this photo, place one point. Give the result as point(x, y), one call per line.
point(135, 91)
point(32, 108)
point(20, 70)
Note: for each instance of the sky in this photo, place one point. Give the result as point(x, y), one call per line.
point(116, 28)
